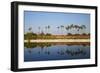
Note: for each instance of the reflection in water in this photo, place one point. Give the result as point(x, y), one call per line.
point(56, 51)
point(33, 45)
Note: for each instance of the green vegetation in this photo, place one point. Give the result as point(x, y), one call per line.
point(33, 45)
point(42, 45)
point(47, 35)
point(30, 36)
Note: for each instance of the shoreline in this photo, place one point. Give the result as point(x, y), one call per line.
point(56, 40)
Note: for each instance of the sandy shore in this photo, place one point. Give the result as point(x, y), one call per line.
point(58, 40)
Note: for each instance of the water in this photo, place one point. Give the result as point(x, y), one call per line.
point(45, 52)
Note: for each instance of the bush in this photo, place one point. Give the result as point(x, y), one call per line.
point(69, 34)
point(48, 34)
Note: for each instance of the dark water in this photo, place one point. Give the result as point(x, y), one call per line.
point(45, 52)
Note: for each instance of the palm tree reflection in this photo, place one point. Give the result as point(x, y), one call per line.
point(30, 51)
point(47, 52)
point(75, 53)
point(72, 52)
point(45, 45)
point(44, 48)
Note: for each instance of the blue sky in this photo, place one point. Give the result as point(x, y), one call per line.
point(54, 19)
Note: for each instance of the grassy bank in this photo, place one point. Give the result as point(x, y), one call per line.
point(56, 37)
point(32, 45)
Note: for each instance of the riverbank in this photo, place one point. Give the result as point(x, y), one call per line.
point(56, 40)
point(74, 36)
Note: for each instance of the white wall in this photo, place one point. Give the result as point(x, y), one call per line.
point(5, 35)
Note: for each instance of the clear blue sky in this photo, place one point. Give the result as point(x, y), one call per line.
point(42, 19)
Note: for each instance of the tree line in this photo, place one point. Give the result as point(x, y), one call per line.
point(60, 28)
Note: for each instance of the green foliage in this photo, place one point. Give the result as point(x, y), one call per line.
point(48, 34)
point(30, 35)
point(32, 45)
point(69, 34)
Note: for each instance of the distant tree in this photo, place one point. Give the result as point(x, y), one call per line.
point(48, 28)
point(58, 28)
point(48, 34)
point(29, 34)
point(30, 28)
point(69, 34)
point(77, 34)
point(39, 29)
point(84, 34)
point(82, 28)
point(62, 27)
point(42, 33)
point(88, 33)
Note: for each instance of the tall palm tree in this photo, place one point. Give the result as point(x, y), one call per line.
point(48, 27)
point(77, 28)
point(30, 28)
point(62, 27)
point(83, 27)
point(58, 28)
point(39, 29)
point(67, 28)
point(71, 25)
point(29, 34)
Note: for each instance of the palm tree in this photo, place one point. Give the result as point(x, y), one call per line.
point(71, 25)
point(48, 27)
point(77, 27)
point(30, 28)
point(58, 28)
point(39, 29)
point(62, 27)
point(66, 28)
point(29, 34)
point(83, 27)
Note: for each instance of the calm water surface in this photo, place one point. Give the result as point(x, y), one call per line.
point(44, 52)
